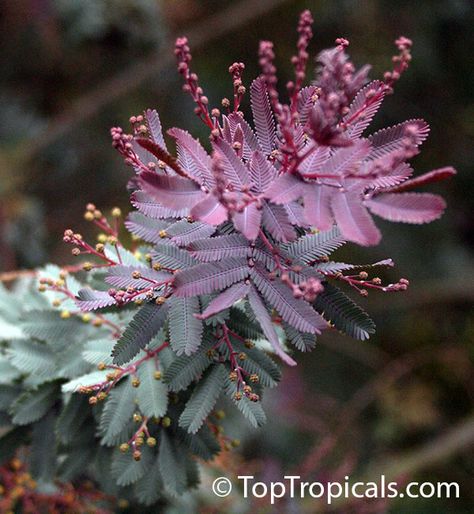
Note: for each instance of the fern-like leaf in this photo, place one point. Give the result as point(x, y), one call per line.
point(262, 115)
point(220, 247)
point(295, 311)
point(391, 139)
point(34, 404)
point(252, 411)
point(207, 278)
point(172, 257)
point(89, 300)
point(343, 313)
point(152, 394)
point(141, 330)
point(314, 246)
point(184, 370)
point(118, 410)
point(265, 321)
point(184, 327)
point(203, 399)
point(225, 300)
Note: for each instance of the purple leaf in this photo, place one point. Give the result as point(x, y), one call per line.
point(317, 202)
point(285, 188)
point(315, 159)
point(210, 211)
point(262, 115)
point(172, 257)
point(248, 221)
point(144, 155)
point(90, 300)
point(265, 321)
point(295, 311)
point(154, 127)
point(238, 141)
point(234, 169)
point(395, 176)
point(145, 228)
point(426, 178)
point(275, 220)
point(323, 131)
point(121, 277)
point(353, 219)
point(210, 277)
point(347, 161)
point(363, 109)
point(392, 139)
point(172, 192)
point(192, 157)
point(262, 172)
point(407, 207)
point(151, 208)
point(296, 214)
point(225, 300)
point(184, 232)
point(220, 247)
point(314, 246)
point(305, 102)
point(250, 143)
point(161, 154)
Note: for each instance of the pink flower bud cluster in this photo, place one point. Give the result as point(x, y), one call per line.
point(308, 289)
point(236, 71)
point(400, 61)
point(300, 60)
point(191, 85)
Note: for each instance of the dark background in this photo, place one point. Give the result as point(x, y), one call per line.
point(70, 70)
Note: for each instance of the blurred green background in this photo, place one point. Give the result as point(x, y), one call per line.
point(71, 69)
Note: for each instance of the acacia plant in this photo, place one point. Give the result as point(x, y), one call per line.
point(121, 368)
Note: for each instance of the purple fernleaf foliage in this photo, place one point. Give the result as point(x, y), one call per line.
point(244, 223)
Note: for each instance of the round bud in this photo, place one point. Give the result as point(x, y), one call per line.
point(124, 447)
point(151, 442)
